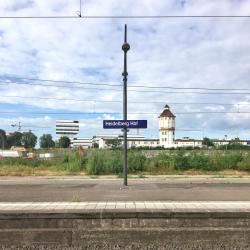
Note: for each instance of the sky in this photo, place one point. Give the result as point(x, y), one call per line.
point(175, 52)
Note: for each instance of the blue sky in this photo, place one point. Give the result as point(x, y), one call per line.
point(207, 52)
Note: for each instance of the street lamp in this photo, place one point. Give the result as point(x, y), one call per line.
point(17, 125)
point(226, 141)
point(2, 141)
point(125, 48)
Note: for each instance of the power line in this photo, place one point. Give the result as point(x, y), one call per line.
point(39, 17)
point(119, 90)
point(138, 113)
point(115, 101)
point(61, 99)
point(130, 86)
point(78, 16)
point(162, 16)
point(183, 88)
point(63, 81)
point(57, 86)
point(191, 92)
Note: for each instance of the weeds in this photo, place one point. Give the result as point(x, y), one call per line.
point(100, 162)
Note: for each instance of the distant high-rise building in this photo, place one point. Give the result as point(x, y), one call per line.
point(67, 128)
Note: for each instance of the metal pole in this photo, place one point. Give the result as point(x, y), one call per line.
point(2, 141)
point(125, 48)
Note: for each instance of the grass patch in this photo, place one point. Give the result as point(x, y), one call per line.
point(97, 162)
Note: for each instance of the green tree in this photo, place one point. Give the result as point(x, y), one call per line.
point(64, 142)
point(14, 139)
point(95, 145)
point(29, 140)
point(46, 141)
point(3, 139)
point(113, 143)
point(207, 142)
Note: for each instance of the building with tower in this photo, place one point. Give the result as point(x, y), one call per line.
point(167, 128)
point(166, 122)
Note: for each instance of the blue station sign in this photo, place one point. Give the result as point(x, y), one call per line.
point(118, 124)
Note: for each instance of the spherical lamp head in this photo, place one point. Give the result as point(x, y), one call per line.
point(125, 47)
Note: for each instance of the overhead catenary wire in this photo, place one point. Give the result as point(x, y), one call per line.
point(58, 86)
point(131, 85)
point(188, 88)
point(131, 113)
point(116, 101)
point(63, 81)
point(120, 90)
point(78, 16)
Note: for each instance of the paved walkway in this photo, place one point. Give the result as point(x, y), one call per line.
point(32, 189)
point(124, 206)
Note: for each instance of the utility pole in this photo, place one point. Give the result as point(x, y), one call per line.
point(226, 142)
point(2, 141)
point(125, 48)
point(17, 125)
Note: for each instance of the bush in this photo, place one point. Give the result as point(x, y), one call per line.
point(181, 161)
point(104, 162)
point(111, 162)
point(73, 163)
point(95, 164)
point(161, 162)
point(114, 163)
point(245, 163)
point(136, 162)
point(226, 161)
point(97, 161)
point(32, 163)
point(199, 161)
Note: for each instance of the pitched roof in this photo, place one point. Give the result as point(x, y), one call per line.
point(167, 113)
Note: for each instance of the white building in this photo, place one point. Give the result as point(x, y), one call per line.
point(143, 142)
point(188, 142)
point(67, 128)
point(167, 128)
point(166, 135)
point(84, 142)
point(133, 140)
point(101, 140)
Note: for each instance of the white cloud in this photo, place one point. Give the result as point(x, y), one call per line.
point(197, 52)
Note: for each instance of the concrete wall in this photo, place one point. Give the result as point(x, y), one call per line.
point(121, 230)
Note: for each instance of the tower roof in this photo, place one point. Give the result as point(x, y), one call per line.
point(167, 113)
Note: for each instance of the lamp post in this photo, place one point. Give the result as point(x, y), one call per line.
point(3, 146)
point(226, 142)
point(17, 125)
point(125, 48)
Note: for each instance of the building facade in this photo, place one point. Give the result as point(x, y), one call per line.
point(83, 142)
point(67, 128)
point(167, 128)
point(166, 135)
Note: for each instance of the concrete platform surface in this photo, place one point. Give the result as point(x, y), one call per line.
point(131, 225)
point(128, 206)
point(71, 189)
